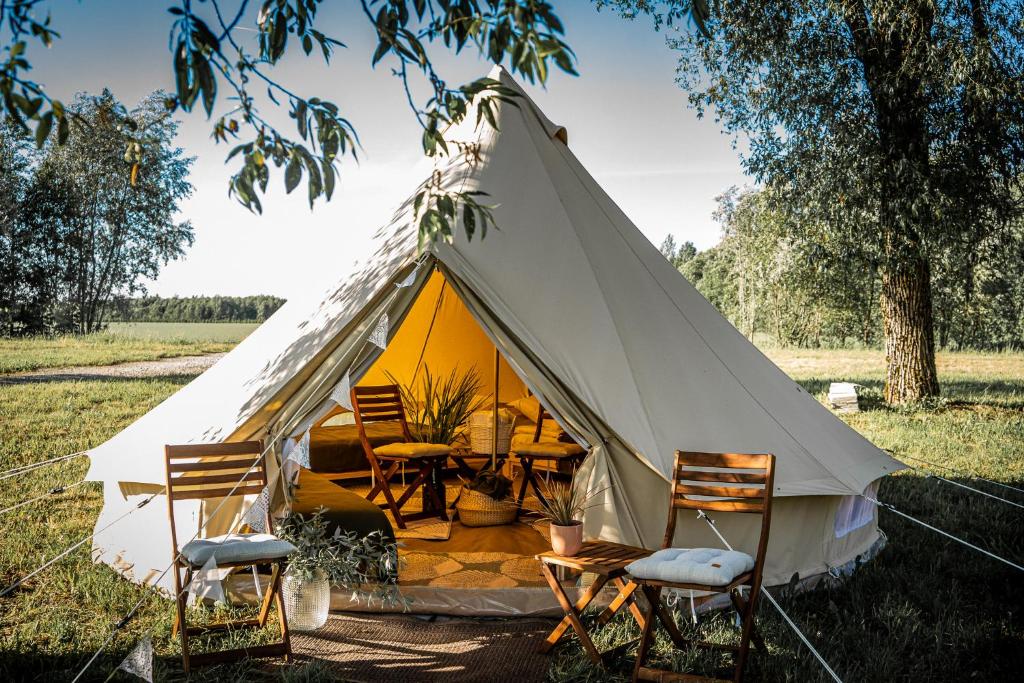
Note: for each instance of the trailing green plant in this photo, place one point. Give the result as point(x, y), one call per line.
point(442, 405)
point(366, 565)
point(565, 504)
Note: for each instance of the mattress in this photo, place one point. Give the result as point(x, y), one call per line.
point(338, 449)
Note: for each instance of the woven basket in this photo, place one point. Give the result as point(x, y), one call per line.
point(481, 431)
point(479, 509)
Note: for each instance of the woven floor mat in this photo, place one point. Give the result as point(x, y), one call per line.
point(403, 648)
point(424, 529)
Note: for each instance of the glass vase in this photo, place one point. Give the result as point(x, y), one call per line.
point(306, 602)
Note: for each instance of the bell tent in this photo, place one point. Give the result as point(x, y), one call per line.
point(587, 315)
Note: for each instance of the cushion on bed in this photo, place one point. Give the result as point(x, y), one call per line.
point(233, 548)
point(528, 407)
point(412, 450)
point(706, 566)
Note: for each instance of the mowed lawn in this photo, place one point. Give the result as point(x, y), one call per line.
point(120, 343)
point(925, 609)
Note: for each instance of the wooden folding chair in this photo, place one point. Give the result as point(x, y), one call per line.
point(714, 478)
point(384, 404)
point(211, 471)
point(548, 451)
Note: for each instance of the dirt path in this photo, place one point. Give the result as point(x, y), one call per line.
point(182, 365)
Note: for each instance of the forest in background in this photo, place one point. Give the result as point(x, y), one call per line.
point(770, 279)
point(196, 309)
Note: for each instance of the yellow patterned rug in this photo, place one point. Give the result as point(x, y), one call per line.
point(470, 570)
point(424, 529)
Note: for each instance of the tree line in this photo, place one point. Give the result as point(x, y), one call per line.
point(769, 278)
point(84, 222)
point(196, 309)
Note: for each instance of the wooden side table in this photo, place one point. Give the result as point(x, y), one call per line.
point(608, 561)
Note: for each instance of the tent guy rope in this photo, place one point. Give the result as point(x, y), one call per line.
point(821, 660)
point(56, 490)
point(17, 471)
point(149, 593)
point(892, 508)
point(929, 475)
point(951, 469)
point(126, 619)
point(77, 544)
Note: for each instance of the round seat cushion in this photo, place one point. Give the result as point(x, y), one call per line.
point(705, 566)
point(233, 548)
point(412, 450)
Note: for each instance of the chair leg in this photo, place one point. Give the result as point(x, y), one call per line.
point(381, 478)
point(441, 505)
point(524, 463)
point(282, 618)
point(653, 595)
point(181, 600)
point(385, 488)
point(741, 606)
point(265, 606)
point(421, 476)
point(536, 486)
point(748, 629)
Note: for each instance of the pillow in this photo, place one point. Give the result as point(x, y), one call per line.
point(707, 566)
point(528, 407)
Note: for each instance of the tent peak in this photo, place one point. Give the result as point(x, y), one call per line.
point(558, 132)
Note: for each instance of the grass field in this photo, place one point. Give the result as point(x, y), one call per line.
point(122, 342)
point(924, 609)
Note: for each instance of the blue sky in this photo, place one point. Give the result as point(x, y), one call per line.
point(628, 123)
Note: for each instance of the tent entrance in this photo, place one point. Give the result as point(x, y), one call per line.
point(466, 570)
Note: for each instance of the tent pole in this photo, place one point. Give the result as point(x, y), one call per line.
point(494, 431)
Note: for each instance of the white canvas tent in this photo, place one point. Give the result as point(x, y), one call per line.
point(633, 361)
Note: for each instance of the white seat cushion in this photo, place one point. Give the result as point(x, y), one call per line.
point(706, 566)
point(234, 548)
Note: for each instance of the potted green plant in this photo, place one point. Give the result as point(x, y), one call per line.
point(563, 506)
point(442, 405)
point(367, 566)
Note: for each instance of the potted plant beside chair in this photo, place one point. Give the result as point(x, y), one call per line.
point(367, 566)
point(563, 505)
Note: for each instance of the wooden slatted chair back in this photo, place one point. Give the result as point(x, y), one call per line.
point(722, 482)
point(213, 470)
point(379, 404)
point(542, 415)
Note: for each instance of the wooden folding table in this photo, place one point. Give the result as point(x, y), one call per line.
point(608, 561)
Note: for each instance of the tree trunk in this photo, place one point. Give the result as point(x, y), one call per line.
point(909, 340)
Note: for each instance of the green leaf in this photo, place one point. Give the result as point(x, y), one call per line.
point(43, 129)
point(293, 173)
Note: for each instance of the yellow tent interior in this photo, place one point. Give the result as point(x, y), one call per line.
point(440, 334)
point(486, 570)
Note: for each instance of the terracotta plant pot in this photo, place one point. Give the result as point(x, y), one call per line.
point(567, 540)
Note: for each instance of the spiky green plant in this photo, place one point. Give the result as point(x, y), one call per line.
point(442, 405)
point(564, 504)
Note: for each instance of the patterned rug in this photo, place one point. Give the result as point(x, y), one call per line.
point(397, 649)
point(470, 570)
point(425, 529)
